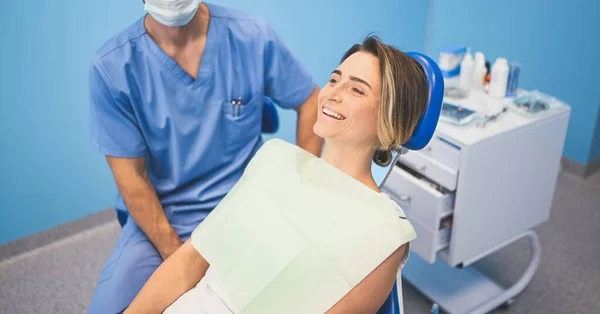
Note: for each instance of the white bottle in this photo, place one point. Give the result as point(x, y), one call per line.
point(466, 70)
point(499, 80)
point(479, 72)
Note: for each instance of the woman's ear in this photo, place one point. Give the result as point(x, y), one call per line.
point(383, 158)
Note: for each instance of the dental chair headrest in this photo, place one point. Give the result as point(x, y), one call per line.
point(426, 127)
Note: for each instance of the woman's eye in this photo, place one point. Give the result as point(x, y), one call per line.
point(332, 81)
point(356, 90)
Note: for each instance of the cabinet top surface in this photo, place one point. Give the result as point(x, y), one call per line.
point(484, 105)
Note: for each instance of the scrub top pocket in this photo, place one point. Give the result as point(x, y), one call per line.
point(241, 123)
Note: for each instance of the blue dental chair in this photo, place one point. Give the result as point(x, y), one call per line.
point(421, 137)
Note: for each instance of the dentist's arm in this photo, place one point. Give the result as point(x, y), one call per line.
point(178, 274)
point(140, 197)
point(115, 132)
point(307, 116)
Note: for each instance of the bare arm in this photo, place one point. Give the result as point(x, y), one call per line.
point(307, 116)
point(370, 294)
point(178, 274)
point(140, 197)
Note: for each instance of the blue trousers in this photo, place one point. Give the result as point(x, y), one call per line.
point(130, 265)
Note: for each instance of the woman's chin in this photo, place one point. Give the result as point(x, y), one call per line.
point(322, 130)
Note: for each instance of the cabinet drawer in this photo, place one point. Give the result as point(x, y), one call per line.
point(428, 242)
point(418, 199)
point(431, 169)
point(444, 152)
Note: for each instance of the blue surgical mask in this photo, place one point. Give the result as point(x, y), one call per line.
point(172, 12)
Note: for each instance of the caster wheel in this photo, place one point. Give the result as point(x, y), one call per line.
point(507, 304)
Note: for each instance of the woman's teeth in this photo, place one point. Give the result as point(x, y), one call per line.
point(333, 114)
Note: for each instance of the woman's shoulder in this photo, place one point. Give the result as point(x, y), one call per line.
point(401, 214)
point(396, 205)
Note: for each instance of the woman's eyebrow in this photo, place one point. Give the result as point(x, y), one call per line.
point(354, 78)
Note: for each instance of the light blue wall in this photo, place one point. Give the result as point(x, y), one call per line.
point(595, 150)
point(49, 174)
point(556, 42)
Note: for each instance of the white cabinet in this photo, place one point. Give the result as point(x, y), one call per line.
point(489, 184)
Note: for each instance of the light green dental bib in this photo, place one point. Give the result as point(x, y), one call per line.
point(295, 234)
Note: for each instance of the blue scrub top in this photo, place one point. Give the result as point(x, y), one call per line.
point(196, 143)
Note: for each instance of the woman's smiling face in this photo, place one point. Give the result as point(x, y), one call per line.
point(348, 103)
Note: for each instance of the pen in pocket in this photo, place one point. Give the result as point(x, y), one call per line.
point(236, 104)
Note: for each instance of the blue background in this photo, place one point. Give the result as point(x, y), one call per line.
point(49, 174)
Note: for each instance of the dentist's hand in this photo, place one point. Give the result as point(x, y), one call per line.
point(167, 242)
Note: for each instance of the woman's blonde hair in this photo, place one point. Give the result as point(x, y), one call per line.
point(404, 92)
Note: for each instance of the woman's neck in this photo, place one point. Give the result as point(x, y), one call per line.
point(353, 161)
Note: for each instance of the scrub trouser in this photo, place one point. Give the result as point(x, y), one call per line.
point(130, 265)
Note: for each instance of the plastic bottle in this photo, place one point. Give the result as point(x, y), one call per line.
point(479, 71)
point(466, 70)
point(499, 80)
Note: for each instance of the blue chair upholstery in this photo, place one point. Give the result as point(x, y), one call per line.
point(391, 305)
point(426, 127)
point(122, 217)
point(270, 118)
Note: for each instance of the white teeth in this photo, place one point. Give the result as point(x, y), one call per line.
point(332, 114)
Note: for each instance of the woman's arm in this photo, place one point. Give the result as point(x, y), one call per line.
point(174, 277)
point(370, 294)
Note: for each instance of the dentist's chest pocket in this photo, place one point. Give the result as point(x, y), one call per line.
point(241, 122)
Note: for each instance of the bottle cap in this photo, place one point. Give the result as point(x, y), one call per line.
point(480, 57)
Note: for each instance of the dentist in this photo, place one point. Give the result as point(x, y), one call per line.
point(176, 108)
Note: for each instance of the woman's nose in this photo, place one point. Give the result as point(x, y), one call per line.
point(336, 93)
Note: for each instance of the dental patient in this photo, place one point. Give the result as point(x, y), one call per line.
point(302, 234)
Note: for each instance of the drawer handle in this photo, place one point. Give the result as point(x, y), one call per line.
point(420, 168)
point(403, 198)
point(412, 165)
